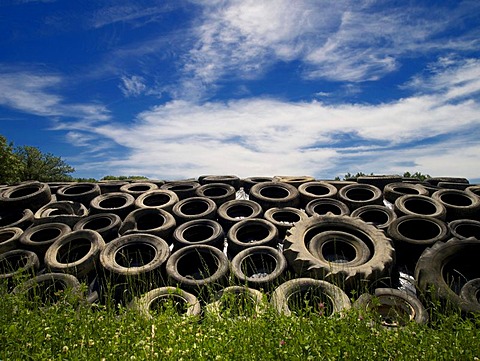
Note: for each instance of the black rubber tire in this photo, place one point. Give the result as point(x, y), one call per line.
point(10, 239)
point(234, 211)
point(377, 215)
point(110, 186)
point(275, 194)
point(336, 299)
point(453, 185)
point(16, 218)
point(186, 304)
point(412, 234)
point(194, 208)
point(323, 206)
point(79, 192)
point(183, 189)
point(186, 268)
point(107, 224)
point(118, 203)
point(16, 263)
point(395, 307)
point(435, 180)
point(459, 204)
point(159, 199)
point(138, 188)
point(40, 237)
point(158, 222)
point(248, 183)
point(359, 195)
point(443, 269)
point(474, 190)
point(284, 218)
point(392, 191)
point(314, 190)
point(76, 253)
point(417, 205)
point(339, 184)
point(465, 228)
point(377, 269)
point(237, 301)
point(259, 267)
point(470, 291)
point(67, 212)
point(379, 181)
point(199, 231)
point(217, 192)
point(231, 180)
point(251, 232)
point(28, 195)
point(295, 181)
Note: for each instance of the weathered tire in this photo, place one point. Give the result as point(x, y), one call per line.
point(107, 224)
point(314, 190)
point(28, 195)
point(234, 211)
point(183, 189)
point(326, 299)
point(79, 192)
point(392, 191)
point(110, 186)
point(199, 231)
point(379, 181)
point(15, 263)
point(435, 180)
point(39, 238)
point(395, 307)
point(339, 184)
point(359, 195)
point(153, 302)
point(231, 180)
point(16, 218)
point(138, 188)
point(474, 190)
point(376, 269)
point(470, 291)
point(453, 185)
point(158, 222)
point(284, 218)
point(443, 269)
point(248, 183)
point(194, 208)
point(118, 203)
point(76, 253)
point(295, 181)
point(274, 194)
point(260, 267)
point(237, 301)
point(323, 206)
point(196, 268)
point(377, 215)
point(217, 192)
point(418, 205)
point(465, 228)
point(67, 212)
point(10, 239)
point(459, 204)
point(159, 199)
point(251, 232)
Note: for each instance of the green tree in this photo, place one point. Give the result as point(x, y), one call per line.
point(43, 167)
point(10, 165)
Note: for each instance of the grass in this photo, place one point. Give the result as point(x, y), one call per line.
point(63, 332)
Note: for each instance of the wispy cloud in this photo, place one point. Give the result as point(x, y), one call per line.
point(132, 86)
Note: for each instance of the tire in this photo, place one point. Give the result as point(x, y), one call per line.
point(314, 190)
point(474, 190)
point(217, 192)
point(395, 307)
point(196, 268)
point(67, 212)
point(234, 211)
point(412, 234)
point(470, 291)
point(10, 239)
point(435, 180)
point(110, 186)
point(392, 191)
point(119, 203)
point(259, 267)
point(377, 215)
point(16, 218)
point(231, 180)
point(16, 263)
point(284, 218)
point(379, 181)
point(251, 232)
point(339, 184)
point(158, 199)
point(39, 238)
point(107, 224)
point(453, 185)
point(138, 188)
point(327, 299)
point(275, 194)
point(459, 204)
point(323, 206)
point(237, 301)
point(359, 195)
point(79, 192)
point(28, 195)
point(295, 181)
point(248, 183)
point(443, 269)
point(376, 269)
point(183, 189)
point(465, 228)
point(76, 253)
point(194, 208)
point(185, 303)
point(199, 231)
point(417, 205)
point(158, 222)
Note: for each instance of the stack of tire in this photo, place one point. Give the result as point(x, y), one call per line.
point(288, 237)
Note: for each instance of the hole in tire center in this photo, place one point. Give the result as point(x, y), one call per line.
point(45, 235)
point(97, 223)
point(458, 200)
point(258, 265)
point(47, 292)
point(74, 250)
point(6, 235)
point(359, 194)
point(468, 230)
point(24, 191)
point(181, 188)
point(112, 202)
point(215, 192)
point(197, 233)
point(10, 217)
point(338, 251)
point(197, 264)
point(394, 311)
point(324, 208)
point(237, 304)
point(311, 301)
point(420, 206)
point(419, 229)
point(150, 221)
point(252, 233)
point(374, 216)
point(274, 192)
point(155, 200)
point(137, 254)
point(194, 207)
point(286, 217)
point(139, 188)
point(167, 303)
point(13, 263)
point(78, 189)
point(239, 211)
point(461, 267)
point(317, 190)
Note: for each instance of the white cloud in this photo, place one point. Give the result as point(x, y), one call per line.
point(132, 86)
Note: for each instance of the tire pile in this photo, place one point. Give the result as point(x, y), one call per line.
point(395, 242)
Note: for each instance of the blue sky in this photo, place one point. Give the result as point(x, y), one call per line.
point(177, 89)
